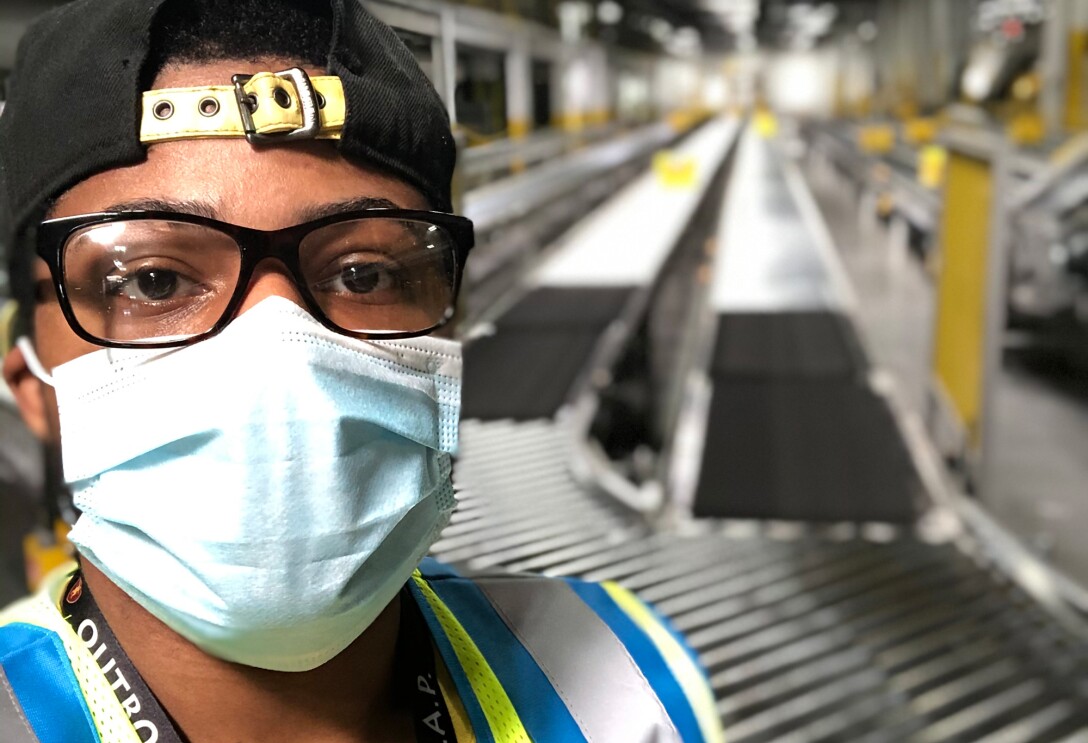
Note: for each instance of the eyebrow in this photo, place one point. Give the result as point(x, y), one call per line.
point(208, 210)
point(320, 211)
point(179, 206)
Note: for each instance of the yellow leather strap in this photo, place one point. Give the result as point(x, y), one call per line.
point(171, 114)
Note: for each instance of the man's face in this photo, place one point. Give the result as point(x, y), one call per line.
point(264, 188)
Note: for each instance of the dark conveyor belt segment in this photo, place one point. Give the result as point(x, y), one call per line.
point(794, 430)
point(527, 368)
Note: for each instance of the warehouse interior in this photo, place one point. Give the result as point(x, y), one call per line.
point(778, 316)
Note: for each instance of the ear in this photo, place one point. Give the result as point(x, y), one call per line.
point(29, 393)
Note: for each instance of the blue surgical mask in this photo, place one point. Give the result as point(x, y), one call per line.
point(267, 492)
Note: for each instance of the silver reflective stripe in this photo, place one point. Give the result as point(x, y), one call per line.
point(591, 670)
point(14, 727)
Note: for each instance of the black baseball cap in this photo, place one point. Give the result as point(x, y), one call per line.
point(75, 102)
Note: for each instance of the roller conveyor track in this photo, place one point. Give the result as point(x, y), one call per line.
point(805, 637)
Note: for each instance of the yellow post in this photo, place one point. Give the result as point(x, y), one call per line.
point(970, 292)
point(519, 128)
point(571, 122)
point(1076, 81)
point(599, 117)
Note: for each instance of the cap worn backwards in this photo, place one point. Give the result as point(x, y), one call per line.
point(77, 98)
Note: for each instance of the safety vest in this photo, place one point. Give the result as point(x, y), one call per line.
point(523, 659)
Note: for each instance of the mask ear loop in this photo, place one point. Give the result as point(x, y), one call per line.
point(33, 362)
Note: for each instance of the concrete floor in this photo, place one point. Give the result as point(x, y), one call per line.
point(1039, 469)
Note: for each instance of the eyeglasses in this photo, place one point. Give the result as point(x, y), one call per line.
point(148, 279)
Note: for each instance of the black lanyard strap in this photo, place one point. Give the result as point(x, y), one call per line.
point(141, 706)
point(417, 674)
point(430, 714)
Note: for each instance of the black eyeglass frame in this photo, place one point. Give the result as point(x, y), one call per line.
point(254, 246)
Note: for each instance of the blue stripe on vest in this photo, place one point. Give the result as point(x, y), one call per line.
point(432, 569)
point(457, 674)
point(646, 655)
point(680, 639)
point(542, 712)
point(41, 676)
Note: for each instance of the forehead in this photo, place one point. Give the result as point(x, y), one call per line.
point(262, 187)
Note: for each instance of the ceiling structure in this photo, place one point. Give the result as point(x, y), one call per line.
point(726, 25)
point(680, 26)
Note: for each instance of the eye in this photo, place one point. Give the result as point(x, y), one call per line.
point(361, 277)
point(364, 278)
point(151, 285)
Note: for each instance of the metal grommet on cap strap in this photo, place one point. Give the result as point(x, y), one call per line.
point(163, 110)
point(208, 106)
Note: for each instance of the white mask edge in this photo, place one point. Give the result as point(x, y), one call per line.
point(33, 362)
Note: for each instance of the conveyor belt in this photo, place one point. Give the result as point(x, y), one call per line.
point(805, 450)
point(807, 636)
point(794, 430)
point(838, 632)
point(597, 275)
point(525, 502)
point(787, 344)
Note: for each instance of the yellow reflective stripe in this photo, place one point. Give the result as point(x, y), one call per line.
point(683, 668)
point(502, 718)
point(171, 114)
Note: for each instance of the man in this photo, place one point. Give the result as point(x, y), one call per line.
point(233, 247)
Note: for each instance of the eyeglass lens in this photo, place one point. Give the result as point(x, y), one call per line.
point(154, 280)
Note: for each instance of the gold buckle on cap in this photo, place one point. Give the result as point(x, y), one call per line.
point(308, 100)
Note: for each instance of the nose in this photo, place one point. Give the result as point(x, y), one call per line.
point(270, 279)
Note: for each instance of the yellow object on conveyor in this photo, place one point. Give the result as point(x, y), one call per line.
point(686, 119)
point(920, 131)
point(675, 171)
point(766, 124)
point(1028, 128)
point(876, 139)
point(932, 163)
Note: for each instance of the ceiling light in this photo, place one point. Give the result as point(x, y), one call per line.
point(610, 12)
